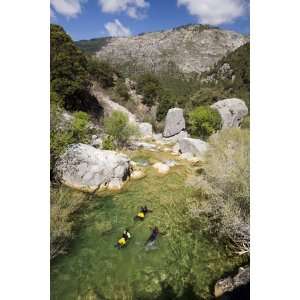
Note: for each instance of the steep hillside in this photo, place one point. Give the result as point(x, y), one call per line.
point(93, 45)
point(188, 49)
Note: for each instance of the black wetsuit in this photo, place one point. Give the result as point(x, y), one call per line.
point(153, 235)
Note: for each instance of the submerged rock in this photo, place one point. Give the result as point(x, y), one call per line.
point(174, 122)
point(137, 174)
point(89, 169)
point(232, 111)
point(138, 145)
point(161, 168)
point(170, 163)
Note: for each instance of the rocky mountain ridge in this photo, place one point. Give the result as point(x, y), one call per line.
point(187, 49)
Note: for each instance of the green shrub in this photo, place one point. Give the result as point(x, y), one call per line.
point(165, 103)
point(204, 121)
point(101, 71)
point(122, 90)
point(207, 95)
point(80, 126)
point(246, 123)
point(64, 202)
point(108, 143)
point(63, 133)
point(149, 86)
point(119, 128)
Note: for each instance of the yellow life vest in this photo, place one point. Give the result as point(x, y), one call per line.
point(121, 242)
point(141, 215)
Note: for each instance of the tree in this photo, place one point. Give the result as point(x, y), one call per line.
point(69, 75)
point(166, 101)
point(122, 90)
point(204, 121)
point(149, 86)
point(101, 71)
point(118, 127)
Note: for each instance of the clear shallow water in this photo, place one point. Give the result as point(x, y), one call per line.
point(94, 269)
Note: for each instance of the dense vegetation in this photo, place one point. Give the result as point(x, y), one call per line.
point(203, 121)
point(101, 72)
point(93, 45)
point(118, 128)
point(66, 130)
point(69, 74)
point(224, 189)
point(64, 204)
point(239, 62)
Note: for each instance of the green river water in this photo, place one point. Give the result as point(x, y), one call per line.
point(178, 266)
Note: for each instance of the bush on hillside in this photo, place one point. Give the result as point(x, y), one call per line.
point(224, 188)
point(64, 133)
point(166, 101)
point(204, 121)
point(69, 75)
point(118, 127)
point(101, 71)
point(122, 90)
point(149, 86)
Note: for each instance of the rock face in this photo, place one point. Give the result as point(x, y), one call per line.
point(232, 111)
point(96, 141)
point(229, 284)
point(192, 48)
point(194, 146)
point(145, 129)
point(89, 169)
point(174, 122)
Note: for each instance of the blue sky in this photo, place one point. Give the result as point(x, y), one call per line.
point(85, 19)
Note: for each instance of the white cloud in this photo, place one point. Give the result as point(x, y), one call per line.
point(116, 28)
point(68, 8)
point(215, 12)
point(134, 8)
point(52, 15)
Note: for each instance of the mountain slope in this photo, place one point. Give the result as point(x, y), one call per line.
point(187, 49)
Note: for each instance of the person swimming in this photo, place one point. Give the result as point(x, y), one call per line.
point(153, 236)
point(123, 240)
point(142, 213)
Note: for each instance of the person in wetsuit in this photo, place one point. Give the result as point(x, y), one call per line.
point(142, 213)
point(123, 240)
point(154, 235)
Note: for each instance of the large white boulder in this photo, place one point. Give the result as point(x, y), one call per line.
point(196, 147)
point(174, 122)
point(145, 129)
point(89, 169)
point(232, 111)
